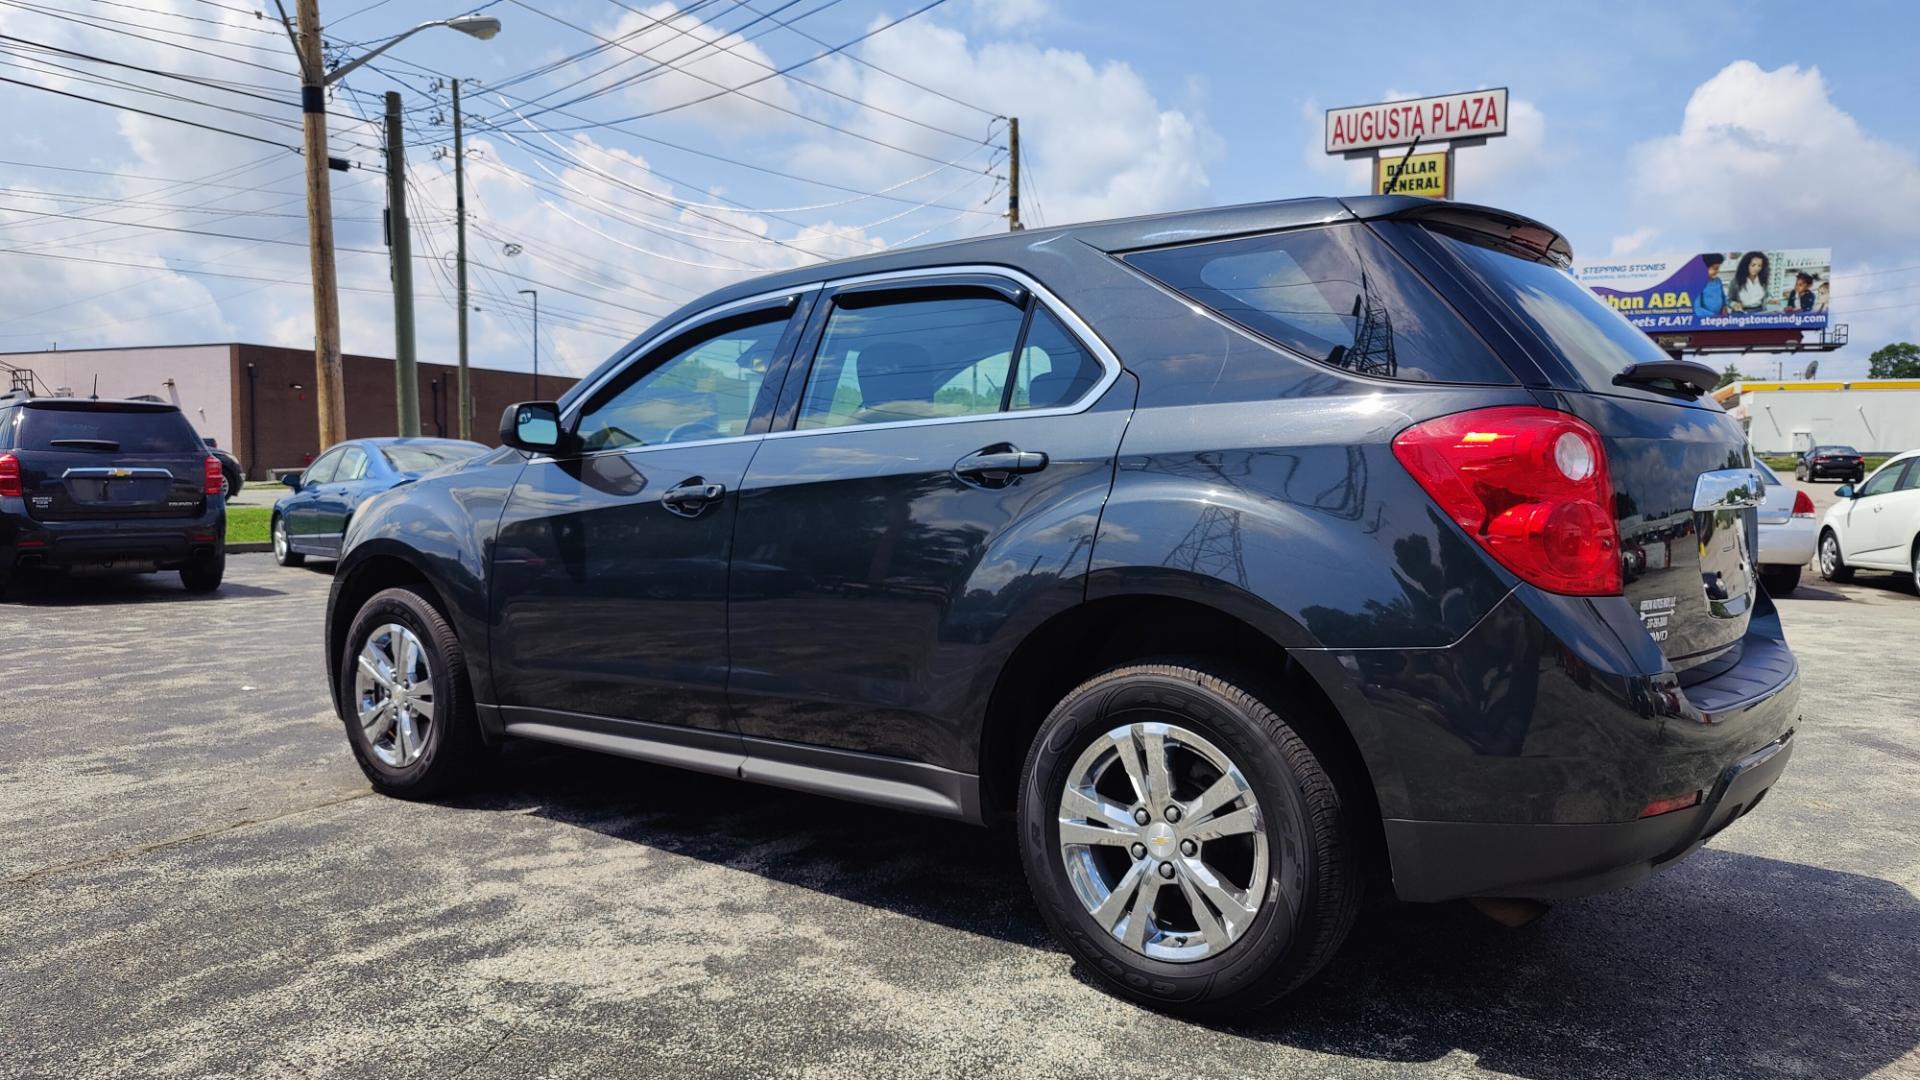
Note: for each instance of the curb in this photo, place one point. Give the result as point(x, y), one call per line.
point(252, 548)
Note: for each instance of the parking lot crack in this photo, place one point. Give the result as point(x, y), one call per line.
point(32, 876)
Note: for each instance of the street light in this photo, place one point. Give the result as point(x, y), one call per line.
point(329, 378)
point(535, 293)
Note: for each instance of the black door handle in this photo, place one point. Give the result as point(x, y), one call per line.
point(691, 496)
point(996, 466)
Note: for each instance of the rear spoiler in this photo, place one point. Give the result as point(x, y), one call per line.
point(1519, 235)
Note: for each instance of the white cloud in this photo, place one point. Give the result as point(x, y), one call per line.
point(666, 60)
point(1634, 242)
point(1009, 14)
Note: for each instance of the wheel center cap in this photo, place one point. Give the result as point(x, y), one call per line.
point(1161, 841)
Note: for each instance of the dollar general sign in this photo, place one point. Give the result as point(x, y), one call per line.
point(1421, 174)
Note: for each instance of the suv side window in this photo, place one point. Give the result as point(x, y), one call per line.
point(1054, 368)
point(1884, 480)
point(911, 359)
point(704, 387)
point(1335, 294)
point(321, 472)
point(353, 465)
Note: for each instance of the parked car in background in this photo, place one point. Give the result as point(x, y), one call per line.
point(1837, 462)
point(311, 519)
point(1877, 525)
point(229, 467)
point(102, 485)
point(1787, 532)
point(1243, 557)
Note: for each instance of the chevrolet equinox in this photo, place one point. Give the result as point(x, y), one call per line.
point(1247, 559)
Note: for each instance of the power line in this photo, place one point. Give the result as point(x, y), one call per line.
point(183, 15)
point(166, 182)
point(739, 89)
point(209, 84)
point(95, 22)
point(155, 115)
point(858, 59)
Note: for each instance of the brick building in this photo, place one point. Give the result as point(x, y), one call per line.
point(257, 400)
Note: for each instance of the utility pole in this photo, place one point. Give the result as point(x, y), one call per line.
point(465, 395)
point(329, 382)
point(535, 293)
point(406, 379)
point(1013, 175)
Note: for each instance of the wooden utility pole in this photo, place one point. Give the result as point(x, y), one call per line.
point(1013, 175)
point(329, 382)
point(465, 396)
point(406, 377)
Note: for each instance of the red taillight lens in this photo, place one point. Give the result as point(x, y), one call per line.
point(1530, 486)
point(10, 477)
point(1802, 504)
point(216, 481)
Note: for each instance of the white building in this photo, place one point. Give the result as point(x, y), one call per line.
point(1870, 415)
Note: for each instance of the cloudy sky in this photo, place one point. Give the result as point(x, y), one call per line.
point(625, 157)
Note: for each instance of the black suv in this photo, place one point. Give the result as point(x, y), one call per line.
point(108, 485)
point(1246, 558)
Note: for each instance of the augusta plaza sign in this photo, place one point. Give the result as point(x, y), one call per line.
point(1387, 130)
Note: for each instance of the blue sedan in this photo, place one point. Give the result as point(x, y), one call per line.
point(313, 518)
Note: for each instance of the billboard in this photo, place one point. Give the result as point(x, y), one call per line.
point(1750, 289)
point(1477, 114)
point(1419, 174)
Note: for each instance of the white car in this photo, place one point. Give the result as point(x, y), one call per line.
point(1787, 532)
point(1877, 525)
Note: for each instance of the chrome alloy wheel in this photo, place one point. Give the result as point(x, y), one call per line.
point(1163, 841)
point(393, 695)
point(1829, 555)
point(280, 538)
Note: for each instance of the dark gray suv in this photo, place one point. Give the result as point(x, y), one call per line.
point(1248, 559)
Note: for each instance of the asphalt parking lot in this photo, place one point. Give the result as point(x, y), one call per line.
point(197, 882)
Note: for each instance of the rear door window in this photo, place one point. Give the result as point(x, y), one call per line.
point(1336, 295)
point(108, 430)
point(911, 359)
point(1054, 368)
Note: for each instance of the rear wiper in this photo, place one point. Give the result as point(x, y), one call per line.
point(1690, 376)
point(86, 444)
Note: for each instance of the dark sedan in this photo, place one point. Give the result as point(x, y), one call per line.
point(311, 520)
point(1831, 462)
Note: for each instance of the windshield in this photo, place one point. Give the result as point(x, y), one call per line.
point(105, 428)
point(1596, 341)
point(424, 458)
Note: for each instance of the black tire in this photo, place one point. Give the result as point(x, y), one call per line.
point(1780, 580)
point(283, 553)
point(452, 749)
point(1833, 565)
point(1313, 858)
point(203, 574)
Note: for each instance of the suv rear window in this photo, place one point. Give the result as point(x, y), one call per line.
point(1593, 340)
point(1337, 295)
point(108, 429)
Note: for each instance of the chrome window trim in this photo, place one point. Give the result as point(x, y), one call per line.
point(573, 409)
point(1109, 362)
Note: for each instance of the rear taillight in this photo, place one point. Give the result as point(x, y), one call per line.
point(1530, 486)
point(1802, 505)
point(216, 481)
point(10, 477)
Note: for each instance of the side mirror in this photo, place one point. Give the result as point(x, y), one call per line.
point(291, 479)
point(533, 426)
point(1844, 491)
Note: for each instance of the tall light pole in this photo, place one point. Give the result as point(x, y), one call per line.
point(329, 380)
point(535, 293)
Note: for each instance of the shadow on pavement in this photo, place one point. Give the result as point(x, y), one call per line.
point(1728, 964)
point(1815, 592)
point(59, 590)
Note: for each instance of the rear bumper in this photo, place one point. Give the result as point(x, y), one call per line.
point(1444, 860)
point(135, 544)
point(1788, 543)
point(1836, 471)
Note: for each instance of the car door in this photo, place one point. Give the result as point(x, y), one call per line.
point(916, 509)
point(333, 498)
point(610, 569)
point(1876, 528)
point(302, 511)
